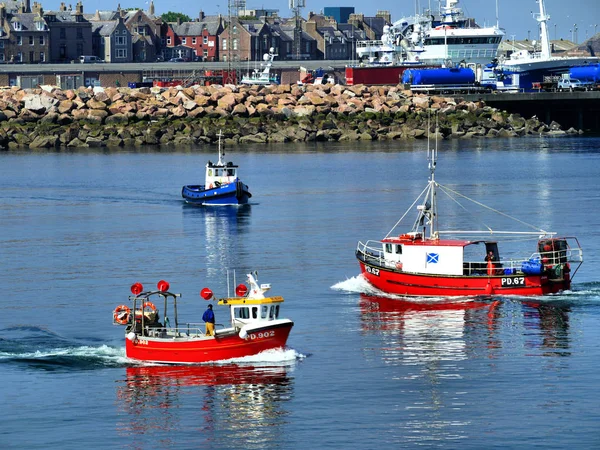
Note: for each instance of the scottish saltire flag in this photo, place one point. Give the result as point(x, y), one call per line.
point(433, 258)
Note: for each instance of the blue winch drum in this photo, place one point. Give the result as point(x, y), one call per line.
point(510, 271)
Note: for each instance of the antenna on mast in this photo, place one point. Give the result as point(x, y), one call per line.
point(296, 5)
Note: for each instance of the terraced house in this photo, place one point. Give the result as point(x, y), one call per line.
point(198, 39)
point(24, 35)
point(70, 33)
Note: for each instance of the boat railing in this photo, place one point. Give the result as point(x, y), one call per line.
point(188, 330)
point(370, 251)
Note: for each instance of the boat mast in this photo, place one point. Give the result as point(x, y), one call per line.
point(542, 18)
point(427, 216)
point(221, 152)
point(432, 210)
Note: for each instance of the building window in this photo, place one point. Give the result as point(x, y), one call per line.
point(121, 53)
point(168, 40)
point(17, 26)
point(19, 57)
point(1, 44)
point(41, 40)
point(2, 57)
point(19, 40)
point(79, 33)
point(205, 53)
point(224, 44)
point(80, 49)
point(141, 31)
point(120, 40)
point(42, 57)
point(184, 41)
point(62, 51)
point(63, 33)
point(31, 40)
point(235, 44)
point(31, 57)
point(193, 41)
point(205, 40)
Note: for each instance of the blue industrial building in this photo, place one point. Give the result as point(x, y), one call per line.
point(341, 14)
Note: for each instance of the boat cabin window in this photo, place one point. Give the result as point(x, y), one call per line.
point(231, 172)
point(274, 314)
point(264, 312)
point(398, 249)
point(492, 247)
point(254, 312)
point(241, 313)
point(388, 248)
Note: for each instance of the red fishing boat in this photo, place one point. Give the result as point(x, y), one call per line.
point(255, 326)
point(428, 261)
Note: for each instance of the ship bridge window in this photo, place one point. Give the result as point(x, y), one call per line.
point(254, 312)
point(274, 312)
point(388, 248)
point(264, 312)
point(398, 249)
point(241, 313)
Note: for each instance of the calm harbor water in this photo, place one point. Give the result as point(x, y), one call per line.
point(360, 370)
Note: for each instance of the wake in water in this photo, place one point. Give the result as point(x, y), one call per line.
point(585, 293)
point(42, 349)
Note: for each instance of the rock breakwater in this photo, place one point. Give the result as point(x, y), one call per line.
point(96, 117)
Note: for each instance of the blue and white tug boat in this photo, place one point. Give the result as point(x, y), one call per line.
point(221, 186)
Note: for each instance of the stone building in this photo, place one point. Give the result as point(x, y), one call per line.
point(24, 35)
point(70, 33)
point(111, 40)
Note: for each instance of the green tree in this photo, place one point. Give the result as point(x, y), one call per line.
point(173, 16)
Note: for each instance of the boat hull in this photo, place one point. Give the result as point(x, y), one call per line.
point(424, 285)
point(236, 193)
point(200, 349)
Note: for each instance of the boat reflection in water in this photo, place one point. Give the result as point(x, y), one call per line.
point(163, 403)
point(550, 323)
point(219, 233)
point(418, 331)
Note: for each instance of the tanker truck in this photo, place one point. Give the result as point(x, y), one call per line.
point(442, 80)
point(580, 78)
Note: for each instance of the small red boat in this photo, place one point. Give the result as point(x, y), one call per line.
point(427, 261)
point(255, 326)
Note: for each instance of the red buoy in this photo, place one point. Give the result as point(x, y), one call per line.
point(206, 294)
point(162, 286)
point(136, 288)
point(241, 290)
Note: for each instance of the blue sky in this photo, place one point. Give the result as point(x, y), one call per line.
point(514, 15)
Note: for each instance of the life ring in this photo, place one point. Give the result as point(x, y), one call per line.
point(121, 314)
point(149, 305)
point(399, 265)
point(211, 186)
